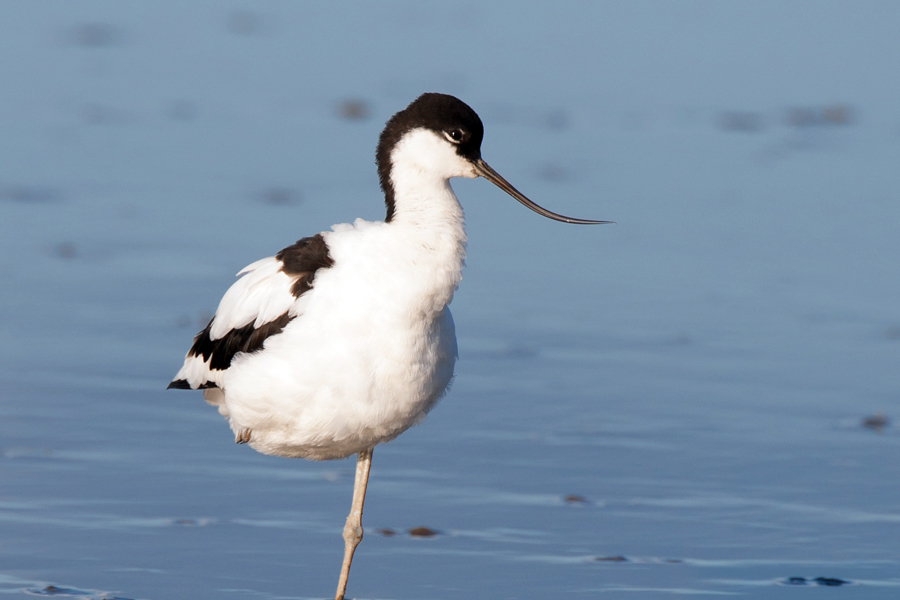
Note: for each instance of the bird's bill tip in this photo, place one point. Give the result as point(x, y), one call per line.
point(485, 170)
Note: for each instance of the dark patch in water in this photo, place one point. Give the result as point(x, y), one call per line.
point(424, 532)
point(830, 581)
point(201, 522)
point(827, 116)
point(65, 250)
point(824, 581)
point(575, 499)
point(876, 422)
point(554, 172)
point(557, 119)
point(96, 35)
point(386, 532)
point(28, 194)
point(279, 196)
point(353, 109)
point(52, 590)
point(616, 559)
point(101, 114)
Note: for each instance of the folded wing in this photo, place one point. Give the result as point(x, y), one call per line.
point(258, 306)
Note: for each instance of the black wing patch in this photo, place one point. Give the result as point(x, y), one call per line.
point(220, 352)
point(300, 260)
point(303, 259)
point(182, 384)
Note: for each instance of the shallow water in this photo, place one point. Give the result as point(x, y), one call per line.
point(669, 406)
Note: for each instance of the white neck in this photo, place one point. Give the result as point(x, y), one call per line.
point(422, 164)
point(425, 201)
point(426, 207)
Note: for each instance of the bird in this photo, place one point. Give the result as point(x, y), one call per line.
point(344, 340)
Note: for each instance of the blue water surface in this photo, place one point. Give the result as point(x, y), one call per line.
point(694, 401)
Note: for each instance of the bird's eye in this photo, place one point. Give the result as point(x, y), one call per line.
point(455, 136)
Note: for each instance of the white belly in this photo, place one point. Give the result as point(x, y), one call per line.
point(340, 400)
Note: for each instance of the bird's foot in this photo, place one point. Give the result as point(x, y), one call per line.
point(242, 437)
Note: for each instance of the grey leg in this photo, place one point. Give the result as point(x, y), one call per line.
point(353, 531)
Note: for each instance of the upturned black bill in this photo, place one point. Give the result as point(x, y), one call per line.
point(484, 170)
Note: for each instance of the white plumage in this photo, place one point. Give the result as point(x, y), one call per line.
point(345, 339)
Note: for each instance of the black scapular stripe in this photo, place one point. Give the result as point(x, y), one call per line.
point(303, 259)
point(300, 260)
point(220, 352)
